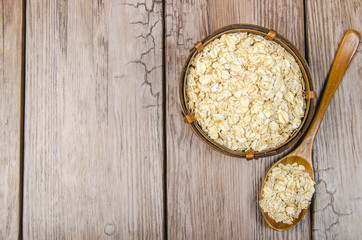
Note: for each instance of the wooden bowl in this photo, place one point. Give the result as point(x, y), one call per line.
point(289, 47)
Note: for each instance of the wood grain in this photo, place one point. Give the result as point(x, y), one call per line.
point(209, 195)
point(337, 208)
point(10, 116)
point(93, 123)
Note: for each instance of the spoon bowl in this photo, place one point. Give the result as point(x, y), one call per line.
point(302, 155)
point(280, 226)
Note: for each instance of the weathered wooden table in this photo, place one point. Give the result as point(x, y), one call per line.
point(92, 144)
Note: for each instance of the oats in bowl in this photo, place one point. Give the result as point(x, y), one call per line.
point(287, 191)
point(246, 93)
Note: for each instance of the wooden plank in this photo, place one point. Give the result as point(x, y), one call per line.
point(211, 196)
point(93, 124)
point(337, 208)
point(10, 116)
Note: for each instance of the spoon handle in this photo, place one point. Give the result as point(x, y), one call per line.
point(345, 53)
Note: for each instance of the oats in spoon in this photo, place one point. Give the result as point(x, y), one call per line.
point(287, 191)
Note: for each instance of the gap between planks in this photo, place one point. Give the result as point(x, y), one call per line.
point(164, 136)
point(22, 117)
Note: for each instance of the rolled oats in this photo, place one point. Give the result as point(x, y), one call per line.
point(287, 191)
point(247, 93)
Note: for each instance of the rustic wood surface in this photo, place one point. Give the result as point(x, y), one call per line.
point(106, 152)
point(337, 207)
point(10, 116)
point(93, 124)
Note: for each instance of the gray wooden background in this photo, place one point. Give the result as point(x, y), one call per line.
point(92, 143)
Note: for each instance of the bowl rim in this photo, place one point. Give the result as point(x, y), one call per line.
point(307, 77)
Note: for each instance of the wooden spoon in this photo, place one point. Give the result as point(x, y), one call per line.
point(302, 155)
